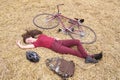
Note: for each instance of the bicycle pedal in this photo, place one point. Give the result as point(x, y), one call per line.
point(59, 30)
point(72, 29)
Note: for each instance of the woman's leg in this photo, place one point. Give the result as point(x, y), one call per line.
point(74, 42)
point(57, 47)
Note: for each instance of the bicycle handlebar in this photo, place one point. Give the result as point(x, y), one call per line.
point(58, 7)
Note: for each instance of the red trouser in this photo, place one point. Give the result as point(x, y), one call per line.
point(63, 46)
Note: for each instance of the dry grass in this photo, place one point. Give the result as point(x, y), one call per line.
point(102, 15)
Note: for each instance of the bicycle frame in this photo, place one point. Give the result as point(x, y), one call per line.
point(75, 28)
point(59, 15)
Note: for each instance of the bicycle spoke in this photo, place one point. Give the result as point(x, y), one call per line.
point(45, 21)
point(86, 35)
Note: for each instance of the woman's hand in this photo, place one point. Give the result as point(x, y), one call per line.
point(24, 46)
point(18, 43)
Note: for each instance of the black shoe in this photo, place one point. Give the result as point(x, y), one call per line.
point(89, 59)
point(98, 56)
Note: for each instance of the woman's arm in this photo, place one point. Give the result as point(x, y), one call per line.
point(25, 46)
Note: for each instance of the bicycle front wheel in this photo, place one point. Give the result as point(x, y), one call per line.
point(86, 35)
point(45, 21)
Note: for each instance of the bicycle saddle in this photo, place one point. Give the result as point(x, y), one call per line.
point(79, 20)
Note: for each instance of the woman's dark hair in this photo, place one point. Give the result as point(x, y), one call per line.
point(30, 33)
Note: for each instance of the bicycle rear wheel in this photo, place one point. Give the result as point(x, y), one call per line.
point(45, 21)
point(86, 35)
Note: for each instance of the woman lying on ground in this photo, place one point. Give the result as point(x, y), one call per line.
point(59, 46)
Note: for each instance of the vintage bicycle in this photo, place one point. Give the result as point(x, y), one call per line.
point(76, 30)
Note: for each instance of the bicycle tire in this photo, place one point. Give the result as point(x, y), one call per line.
point(40, 21)
point(89, 38)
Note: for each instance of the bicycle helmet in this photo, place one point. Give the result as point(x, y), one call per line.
point(32, 56)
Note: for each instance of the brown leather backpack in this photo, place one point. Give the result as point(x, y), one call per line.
point(61, 67)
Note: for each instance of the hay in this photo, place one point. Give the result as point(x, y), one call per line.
point(101, 15)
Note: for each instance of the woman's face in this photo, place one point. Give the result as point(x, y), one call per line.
point(30, 40)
